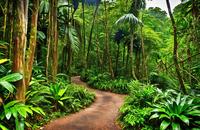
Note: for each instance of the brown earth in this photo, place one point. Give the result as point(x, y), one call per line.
point(101, 115)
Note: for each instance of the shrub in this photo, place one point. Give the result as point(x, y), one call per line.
point(120, 86)
point(103, 81)
point(176, 114)
point(162, 81)
point(136, 110)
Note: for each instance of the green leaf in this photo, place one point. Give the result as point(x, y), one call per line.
point(7, 86)
point(164, 125)
point(10, 104)
point(8, 115)
point(164, 116)
point(178, 99)
point(184, 119)
point(22, 112)
point(66, 97)
point(28, 124)
point(194, 113)
point(3, 61)
point(3, 127)
point(38, 110)
point(41, 35)
point(27, 109)
point(61, 92)
point(197, 122)
point(154, 116)
point(175, 126)
point(15, 113)
point(61, 103)
point(12, 77)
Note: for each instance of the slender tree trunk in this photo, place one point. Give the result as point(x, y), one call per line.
point(5, 10)
point(90, 37)
point(131, 57)
point(127, 60)
point(189, 61)
point(137, 64)
point(11, 21)
point(175, 54)
point(83, 34)
point(144, 70)
point(117, 60)
point(124, 53)
point(55, 41)
point(49, 35)
point(107, 40)
point(19, 48)
point(32, 45)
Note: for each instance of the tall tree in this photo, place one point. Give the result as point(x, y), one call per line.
point(132, 20)
point(52, 41)
point(175, 53)
point(107, 50)
point(20, 46)
point(32, 44)
point(91, 32)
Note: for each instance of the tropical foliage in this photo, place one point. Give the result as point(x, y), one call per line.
point(119, 46)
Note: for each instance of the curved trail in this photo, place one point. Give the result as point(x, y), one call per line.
point(101, 115)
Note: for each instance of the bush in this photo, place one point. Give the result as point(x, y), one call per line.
point(162, 81)
point(136, 110)
point(177, 114)
point(104, 82)
point(59, 98)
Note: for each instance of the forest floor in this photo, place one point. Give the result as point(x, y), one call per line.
point(101, 115)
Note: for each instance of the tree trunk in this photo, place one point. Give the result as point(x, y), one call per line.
point(117, 60)
point(83, 34)
point(131, 58)
point(10, 30)
point(107, 40)
point(52, 41)
point(5, 10)
point(144, 70)
point(124, 53)
point(19, 48)
point(55, 41)
point(175, 54)
point(32, 45)
point(189, 62)
point(90, 37)
point(127, 60)
point(137, 64)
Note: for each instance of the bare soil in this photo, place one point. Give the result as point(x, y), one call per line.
point(101, 115)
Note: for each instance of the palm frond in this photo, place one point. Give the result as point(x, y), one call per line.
point(73, 38)
point(130, 18)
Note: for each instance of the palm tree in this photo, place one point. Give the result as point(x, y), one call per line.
point(119, 35)
point(132, 20)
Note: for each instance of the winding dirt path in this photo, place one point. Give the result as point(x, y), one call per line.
point(101, 115)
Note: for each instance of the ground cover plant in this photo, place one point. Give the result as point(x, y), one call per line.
point(148, 107)
point(103, 81)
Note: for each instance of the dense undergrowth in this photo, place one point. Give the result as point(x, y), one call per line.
point(151, 106)
point(103, 81)
point(45, 100)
